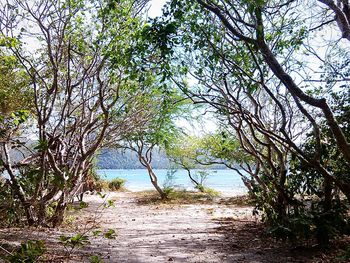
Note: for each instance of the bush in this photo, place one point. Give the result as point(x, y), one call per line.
point(168, 190)
point(345, 255)
point(29, 252)
point(71, 242)
point(200, 187)
point(313, 223)
point(102, 185)
point(95, 259)
point(11, 211)
point(116, 184)
point(211, 192)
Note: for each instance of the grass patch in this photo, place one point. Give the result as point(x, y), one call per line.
point(116, 184)
point(241, 200)
point(211, 192)
point(191, 197)
point(176, 197)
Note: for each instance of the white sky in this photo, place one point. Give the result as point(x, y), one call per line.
point(156, 8)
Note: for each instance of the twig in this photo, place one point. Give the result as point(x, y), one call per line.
point(8, 252)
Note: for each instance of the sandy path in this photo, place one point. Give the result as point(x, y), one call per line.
point(154, 232)
point(160, 233)
point(144, 232)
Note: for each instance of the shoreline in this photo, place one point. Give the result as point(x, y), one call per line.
point(225, 181)
point(226, 194)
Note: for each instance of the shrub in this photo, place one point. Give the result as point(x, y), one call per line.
point(312, 222)
point(168, 190)
point(102, 185)
point(116, 184)
point(211, 192)
point(95, 259)
point(11, 211)
point(71, 242)
point(29, 252)
point(200, 187)
point(345, 255)
point(110, 234)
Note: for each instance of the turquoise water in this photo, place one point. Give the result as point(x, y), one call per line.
point(227, 182)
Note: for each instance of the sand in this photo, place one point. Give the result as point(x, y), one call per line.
point(149, 232)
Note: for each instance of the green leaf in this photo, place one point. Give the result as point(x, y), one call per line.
point(110, 234)
point(95, 259)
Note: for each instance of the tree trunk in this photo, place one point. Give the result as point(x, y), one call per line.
point(328, 187)
point(29, 214)
point(282, 201)
point(345, 189)
point(322, 229)
point(42, 215)
point(154, 180)
point(58, 217)
point(194, 181)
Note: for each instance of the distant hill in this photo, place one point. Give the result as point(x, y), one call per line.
point(117, 159)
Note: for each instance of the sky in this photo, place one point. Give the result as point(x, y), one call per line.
point(156, 8)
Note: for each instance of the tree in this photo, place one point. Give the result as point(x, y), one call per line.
point(183, 153)
point(331, 157)
point(273, 48)
point(80, 84)
point(250, 62)
point(163, 109)
point(245, 56)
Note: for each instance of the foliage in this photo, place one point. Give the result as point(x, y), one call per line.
point(109, 203)
point(199, 152)
point(116, 184)
point(101, 77)
point(345, 254)
point(312, 223)
point(211, 192)
point(10, 208)
point(183, 151)
point(223, 147)
point(110, 234)
point(83, 205)
point(200, 187)
point(70, 220)
point(168, 191)
point(163, 109)
point(208, 150)
point(29, 252)
point(74, 85)
point(243, 58)
point(201, 176)
point(70, 243)
point(326, 216)
point(331, 157)
point(95, 259)
point(15, 94)
point(102, 185)
point(169, 180)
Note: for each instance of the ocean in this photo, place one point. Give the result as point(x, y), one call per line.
point(227, 182)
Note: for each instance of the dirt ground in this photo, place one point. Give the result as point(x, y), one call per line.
point(147, 230)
